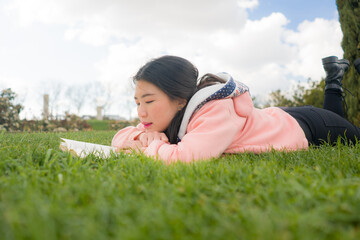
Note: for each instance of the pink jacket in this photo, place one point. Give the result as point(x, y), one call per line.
point(230, 125)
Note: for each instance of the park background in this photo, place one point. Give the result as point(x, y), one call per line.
point(84, 53)
point(46, 193)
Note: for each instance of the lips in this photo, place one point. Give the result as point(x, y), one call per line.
point(147, 124)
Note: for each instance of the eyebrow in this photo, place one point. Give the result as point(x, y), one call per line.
point(145, 95)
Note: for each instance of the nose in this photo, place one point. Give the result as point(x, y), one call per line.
point(141, 111)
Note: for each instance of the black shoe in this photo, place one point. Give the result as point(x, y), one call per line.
point(357, 65)
point(335, 70)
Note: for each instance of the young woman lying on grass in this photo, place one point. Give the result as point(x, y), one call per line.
point(183, 119)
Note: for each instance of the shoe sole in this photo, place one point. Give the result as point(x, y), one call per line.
point(344, 61)
point(331, 59)
point(334, 59)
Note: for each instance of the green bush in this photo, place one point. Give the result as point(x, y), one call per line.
point(70, 123)
point(9, 111)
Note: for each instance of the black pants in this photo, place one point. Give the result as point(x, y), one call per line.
point(325, 124)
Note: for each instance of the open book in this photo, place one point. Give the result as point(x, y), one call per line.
point(82, 149)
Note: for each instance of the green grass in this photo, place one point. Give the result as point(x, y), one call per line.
point(48, 194)
point(98, 124)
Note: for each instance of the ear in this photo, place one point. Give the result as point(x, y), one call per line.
point(181, 103)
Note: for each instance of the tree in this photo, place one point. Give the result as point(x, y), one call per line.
point(78, 94)
point(127, 100)
point(9, 111)
point(278, 99)
point(313, 95)
point(349, 13)
point(103, 94)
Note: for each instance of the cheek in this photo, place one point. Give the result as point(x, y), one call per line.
point(158, 109)
point(171, 110)
point(162, 108)
point(164, 112)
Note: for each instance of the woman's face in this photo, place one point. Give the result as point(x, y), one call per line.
point(155, 108)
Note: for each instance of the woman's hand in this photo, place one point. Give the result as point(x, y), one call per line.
point(146, 138)
point(142, 141)
point(130, 146)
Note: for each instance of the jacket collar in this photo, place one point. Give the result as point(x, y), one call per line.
point(230, 89)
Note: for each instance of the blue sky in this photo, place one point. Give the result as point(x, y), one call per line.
point(296, 10)
point(96, 46)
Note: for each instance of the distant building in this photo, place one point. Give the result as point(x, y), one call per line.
point(99, 114)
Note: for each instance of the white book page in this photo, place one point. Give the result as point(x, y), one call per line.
point(82, 149)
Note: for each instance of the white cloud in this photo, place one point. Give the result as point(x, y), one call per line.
point(264, 54)
point(248, 3)
point(260, 42)
point(314, 41)
point(91, 20)
point(214, 35)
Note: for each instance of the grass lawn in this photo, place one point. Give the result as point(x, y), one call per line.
point(98, 124)
point(48, 194)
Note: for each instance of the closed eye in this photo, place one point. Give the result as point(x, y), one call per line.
point(149, 101)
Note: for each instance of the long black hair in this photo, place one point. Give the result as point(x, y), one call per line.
point(178, 78)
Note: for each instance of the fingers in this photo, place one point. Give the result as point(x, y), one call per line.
point(164, 137)
point(143, 140)
point(146, 138)
point(133, 144)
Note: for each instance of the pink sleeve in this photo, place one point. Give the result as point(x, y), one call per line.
point(125, 134)
point(209, 133)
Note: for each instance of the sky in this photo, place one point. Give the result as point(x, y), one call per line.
point(83, 53)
